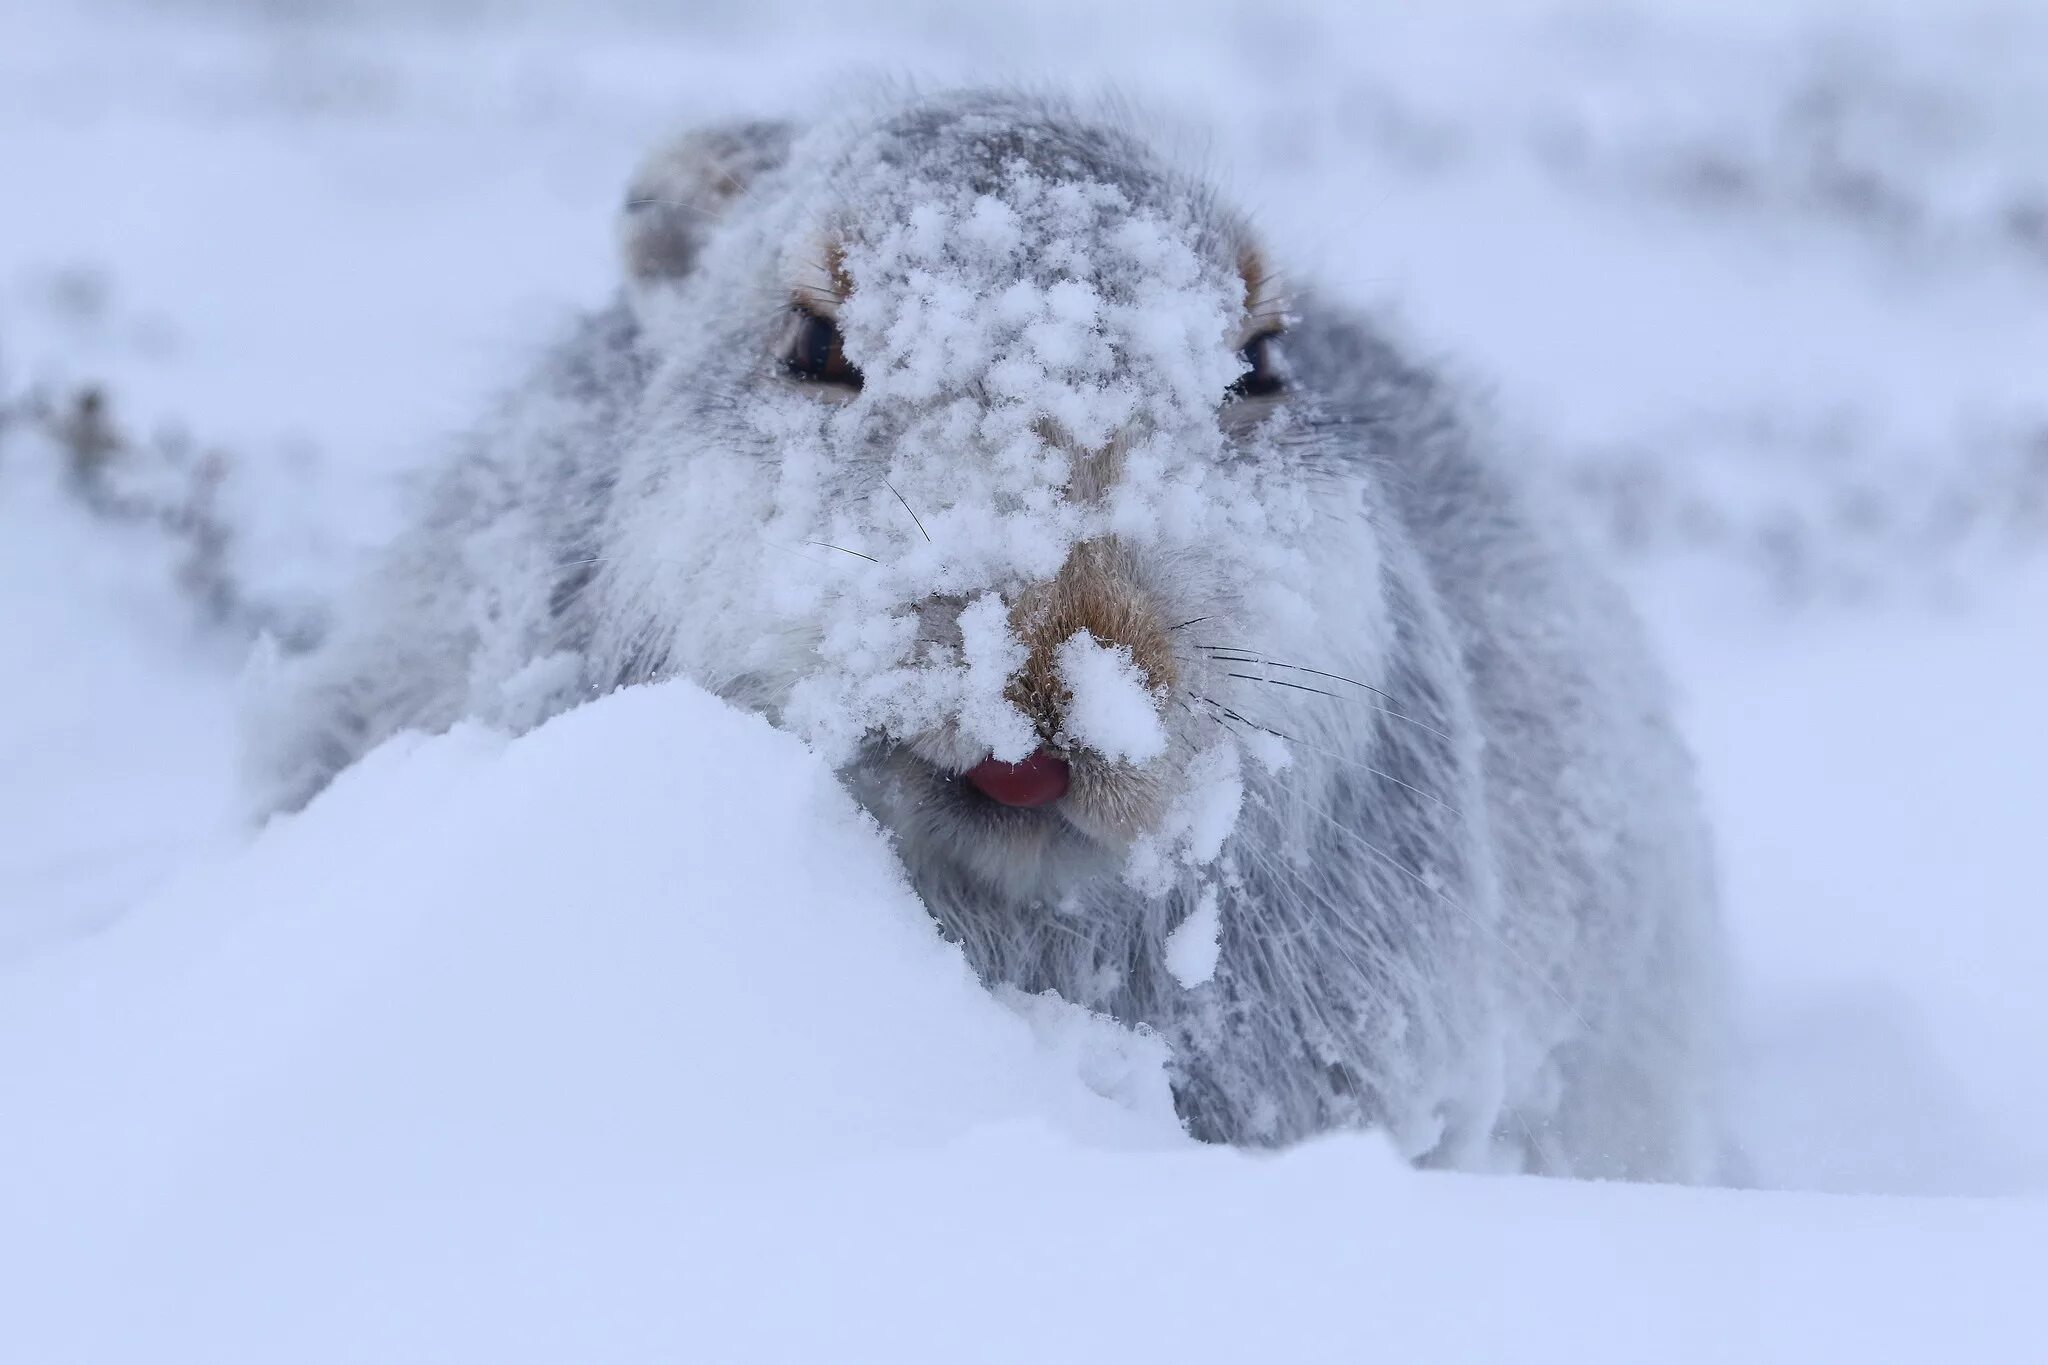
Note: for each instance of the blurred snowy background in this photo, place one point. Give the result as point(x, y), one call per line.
point(1763, 286)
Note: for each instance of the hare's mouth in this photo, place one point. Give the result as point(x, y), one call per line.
point(1021, 831)
point(1054, 792)
point(1039, 780)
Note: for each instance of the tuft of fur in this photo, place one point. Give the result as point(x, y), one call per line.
point(1421, 770)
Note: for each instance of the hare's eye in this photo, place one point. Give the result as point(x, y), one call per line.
point(1268, 373)
point(815, 352)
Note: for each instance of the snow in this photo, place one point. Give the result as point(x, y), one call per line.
point(993, 655)
point(1110, 709)
point(1876, 784)
point(1197, 820)
point(119, 742)
point(1193, 946)
point(622, 1039)
point(552, 1048)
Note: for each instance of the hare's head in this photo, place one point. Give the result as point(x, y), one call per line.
point(971, 450)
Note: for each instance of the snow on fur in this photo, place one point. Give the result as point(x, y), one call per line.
point(1110, 708)
point(1192, 948)
point(1048, 315)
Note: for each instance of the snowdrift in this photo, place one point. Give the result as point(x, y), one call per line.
point(624, 1040)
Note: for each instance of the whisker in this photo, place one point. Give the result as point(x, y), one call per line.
point(907, 507)
point(1256, 657)
point(1341, 758)
point(1241, 719)
point(1243, 656)
point(1279, 682)
point(843, 550)
point(832, 291)
point(1185, 624)
point(651, 201)
point(613, 559)
point(1383, 710)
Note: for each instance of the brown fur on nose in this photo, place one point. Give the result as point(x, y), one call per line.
point(1096, 590)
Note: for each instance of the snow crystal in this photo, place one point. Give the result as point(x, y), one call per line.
point(1208, 812)
point(1110, 707)
point(1195, 943)
point(1269, 749)
point(993, 656)
point(1197, 822)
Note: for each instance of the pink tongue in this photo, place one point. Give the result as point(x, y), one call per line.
point(1037, 781)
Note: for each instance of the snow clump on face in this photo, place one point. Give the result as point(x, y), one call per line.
point(1111, 710)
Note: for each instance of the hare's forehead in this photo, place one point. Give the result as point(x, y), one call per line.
point(1023, 246)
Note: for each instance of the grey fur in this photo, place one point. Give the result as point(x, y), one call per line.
point(1477, 910)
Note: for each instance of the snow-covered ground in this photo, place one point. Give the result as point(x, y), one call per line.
point(576, 1047)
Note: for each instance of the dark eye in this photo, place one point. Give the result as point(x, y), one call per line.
point(1267, 375)
point(815, 352)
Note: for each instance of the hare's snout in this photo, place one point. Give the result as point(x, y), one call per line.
point(1098, 665)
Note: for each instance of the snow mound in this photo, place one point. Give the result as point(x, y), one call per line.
point(624, 1040)
point(655, 915)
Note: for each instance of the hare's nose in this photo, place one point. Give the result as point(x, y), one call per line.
point(1097, 591)
point(1039, 780)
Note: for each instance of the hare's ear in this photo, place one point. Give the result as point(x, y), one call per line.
point(682, 190)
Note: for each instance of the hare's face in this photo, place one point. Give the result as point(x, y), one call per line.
point(1004, 406)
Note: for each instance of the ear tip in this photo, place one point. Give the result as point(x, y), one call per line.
point(684, 187)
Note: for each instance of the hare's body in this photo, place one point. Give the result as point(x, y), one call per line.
point(962, 441)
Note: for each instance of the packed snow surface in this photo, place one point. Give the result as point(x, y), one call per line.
point(623, 1040)
point(552, 1048)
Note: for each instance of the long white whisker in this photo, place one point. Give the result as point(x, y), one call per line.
point(1333, 754)
point(1246, 656)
